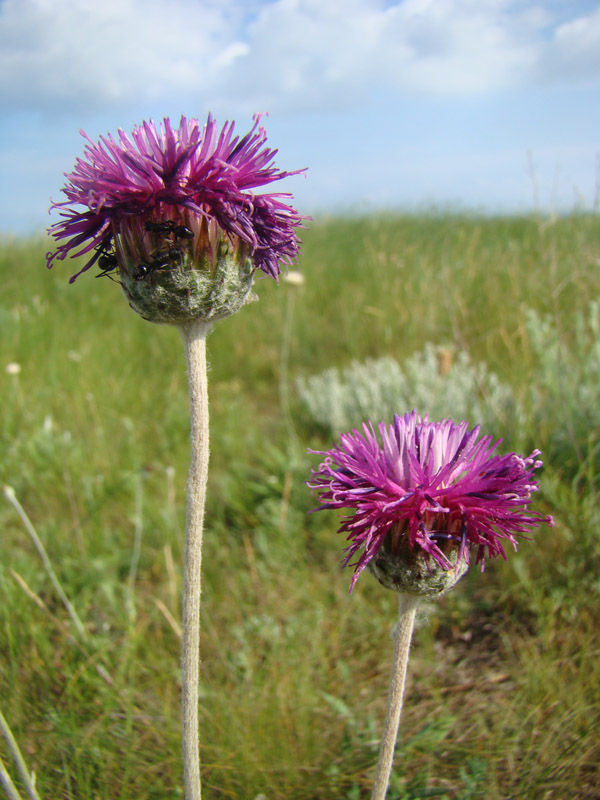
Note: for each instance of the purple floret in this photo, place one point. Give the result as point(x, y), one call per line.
point(191, 169)
point(437, 482)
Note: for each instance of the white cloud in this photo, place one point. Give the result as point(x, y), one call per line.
point(280, 54)
point(574, 54)
point(459, 46)
point(84, 53)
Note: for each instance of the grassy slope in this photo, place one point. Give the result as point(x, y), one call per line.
point(504, 695)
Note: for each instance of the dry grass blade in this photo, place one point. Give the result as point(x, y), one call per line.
point(60, 625)
point(10, 495)
point(26, 777)
point(7, 784)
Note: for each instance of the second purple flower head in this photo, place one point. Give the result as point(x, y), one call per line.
point(423, 497)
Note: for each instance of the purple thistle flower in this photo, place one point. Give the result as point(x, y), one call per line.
point(190, 177)
point(432, 489)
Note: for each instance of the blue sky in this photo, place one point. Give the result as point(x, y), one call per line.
point(489, 105)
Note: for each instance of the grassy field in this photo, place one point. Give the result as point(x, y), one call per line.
point(503, 695)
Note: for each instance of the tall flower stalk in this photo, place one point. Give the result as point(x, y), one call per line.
point(169, 213)
point(194, 341)
point(422, 497)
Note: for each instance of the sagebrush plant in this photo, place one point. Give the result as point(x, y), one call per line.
point(169, 214)
point(439, 381)
point(565, 384)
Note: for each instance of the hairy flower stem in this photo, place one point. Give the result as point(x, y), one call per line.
point(403, 636)
point(194, 340)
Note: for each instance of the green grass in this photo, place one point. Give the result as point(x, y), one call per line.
point(503, 696)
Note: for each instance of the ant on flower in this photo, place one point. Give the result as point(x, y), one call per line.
point(165, 257)
point(107, 263)
point(168, 228)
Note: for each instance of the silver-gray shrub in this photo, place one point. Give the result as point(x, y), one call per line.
point(565, 385)
point(437, 381)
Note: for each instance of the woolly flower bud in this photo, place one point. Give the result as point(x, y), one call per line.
point(407, 570)
point(180, 269)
